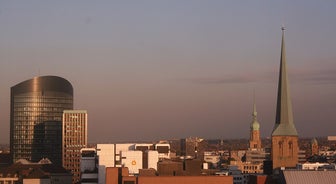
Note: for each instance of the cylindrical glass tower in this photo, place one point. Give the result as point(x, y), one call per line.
point(34, 102)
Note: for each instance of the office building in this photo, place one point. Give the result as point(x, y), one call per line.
point(134, 156)
point(33, 102)
point(284, 136)
point(314, 147)
point(74, 139)
point(50, 145)
point(192, 147)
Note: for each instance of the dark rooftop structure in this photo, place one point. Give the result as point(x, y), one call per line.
point(307, 177)
point(44, 169)
point(5, 159)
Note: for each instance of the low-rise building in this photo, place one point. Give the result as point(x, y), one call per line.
point(44, 172)
point(315, 166)
point(134, 156)
point(120, 176)
point(235, 172)
point(307, 177)
point(88, 166)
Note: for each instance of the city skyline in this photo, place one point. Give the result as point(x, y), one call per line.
point(163, 70)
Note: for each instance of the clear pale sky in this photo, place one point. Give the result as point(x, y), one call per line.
point(151, 70)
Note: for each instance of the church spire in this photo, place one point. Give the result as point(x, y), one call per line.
point(255, 124)
point(254, 114)
point(255, 142)
point(284, 124)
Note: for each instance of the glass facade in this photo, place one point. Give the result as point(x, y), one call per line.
point(33, 102)
point(49, 134)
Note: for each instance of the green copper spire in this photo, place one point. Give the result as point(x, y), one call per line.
point(284, 124)
point(255, 124)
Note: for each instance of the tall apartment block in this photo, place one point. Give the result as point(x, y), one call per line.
point(36, 108)
point(74, 139)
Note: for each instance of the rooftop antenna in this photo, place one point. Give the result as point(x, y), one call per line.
point(283, 28)
point(254, 105)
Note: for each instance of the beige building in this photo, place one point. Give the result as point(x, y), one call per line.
point(314, 147)
point(74, 138)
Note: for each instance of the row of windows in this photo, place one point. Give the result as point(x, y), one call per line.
point(38, 109)
point(38, 117)
point(74, 132)
point(74, 140)
point(73, 143)
point(68, 131)
point(42, 99)
point(29, 106)
point(69, 126)
point(75, 146)
point(250, 167)
point(24, 128)
point(23, 140)
point(22, 135)
point(74, 119)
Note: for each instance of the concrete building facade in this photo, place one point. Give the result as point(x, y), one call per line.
point(133, 156)
point(89, 166)
point(74, 139)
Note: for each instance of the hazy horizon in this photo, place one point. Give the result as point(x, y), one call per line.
point(151, 70)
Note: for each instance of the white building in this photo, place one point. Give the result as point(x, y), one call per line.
point(128, 155)
point(153, 159)
point(88, 166)
point(311, 166)
point(164, 150)
point(106, 158)
point(132, 160)
point(211, 157)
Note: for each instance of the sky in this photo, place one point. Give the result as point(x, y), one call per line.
point(155, 70)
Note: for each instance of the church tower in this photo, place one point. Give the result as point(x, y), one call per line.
point(284, 136)
point(255, 142)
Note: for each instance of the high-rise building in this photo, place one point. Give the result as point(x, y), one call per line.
point(74, 138)
point(314, 147)
point(255, 142)
point(50, 146)
point(284, 136)
point(193, 147)
point(33, 102)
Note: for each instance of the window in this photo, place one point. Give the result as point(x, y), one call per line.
point(280, 148)
point(129, 182)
